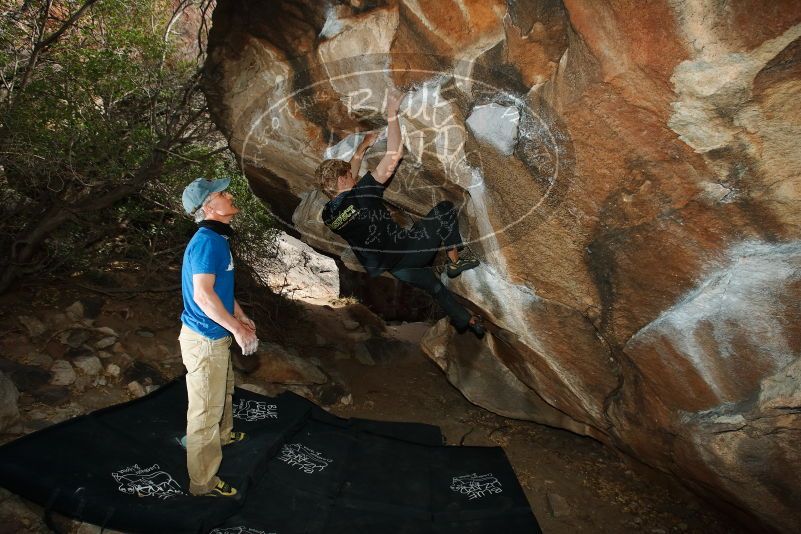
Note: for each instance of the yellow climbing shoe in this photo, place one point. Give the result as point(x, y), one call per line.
point(222, 489)
point(236, 437)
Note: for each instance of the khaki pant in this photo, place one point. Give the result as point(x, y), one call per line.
point(209, 419)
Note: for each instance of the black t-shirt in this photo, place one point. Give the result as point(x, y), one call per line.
point(360, 216)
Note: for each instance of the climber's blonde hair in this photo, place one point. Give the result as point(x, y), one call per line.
point(328, 172)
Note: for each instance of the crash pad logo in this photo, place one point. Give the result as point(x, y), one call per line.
point(251, 410)
point(304, 458)
point(476, 486)
point(149, 482)
point(238, 530)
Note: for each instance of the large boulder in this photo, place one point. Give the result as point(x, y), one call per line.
point(629, 174)
point(299, 272)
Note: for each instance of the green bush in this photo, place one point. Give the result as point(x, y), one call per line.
point(100, 136)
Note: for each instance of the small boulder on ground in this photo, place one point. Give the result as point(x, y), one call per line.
point(280, 366)
point(107, 331)
point(90, 365)
point(63, 373)
point(350, 324)
point(366, 318)
point(75, 337)
point(136, 389)
point(33, 326)
point(105, 342)
point(113, 370)
point(362, 354)
point(558, 505)
point(75, 311)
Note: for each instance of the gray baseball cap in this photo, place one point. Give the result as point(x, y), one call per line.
point(196, 192)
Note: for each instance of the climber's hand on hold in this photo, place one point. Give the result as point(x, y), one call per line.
point(394, 99)
point(369, 140)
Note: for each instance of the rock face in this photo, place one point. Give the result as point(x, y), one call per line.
point(629, 174)
point(299, 272)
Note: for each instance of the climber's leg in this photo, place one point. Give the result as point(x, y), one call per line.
point(423, 278)
point(443, 221)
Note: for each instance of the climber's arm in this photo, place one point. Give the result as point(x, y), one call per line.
point(390, 161)
point(358, 155)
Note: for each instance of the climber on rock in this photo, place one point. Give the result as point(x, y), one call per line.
point(357, 212)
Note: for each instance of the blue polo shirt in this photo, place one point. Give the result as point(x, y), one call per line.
point(207, 253)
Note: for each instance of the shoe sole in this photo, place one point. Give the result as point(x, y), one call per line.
point(216, 494)
point(461, 270)
point(182, 441)
point(235, 442)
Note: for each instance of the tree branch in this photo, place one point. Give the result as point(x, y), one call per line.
point(43, 45)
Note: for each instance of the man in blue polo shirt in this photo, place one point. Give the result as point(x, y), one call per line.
point(211, 316)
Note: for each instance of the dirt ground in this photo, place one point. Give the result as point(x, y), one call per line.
point(574, 484)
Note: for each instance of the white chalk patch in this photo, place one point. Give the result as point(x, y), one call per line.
point(495, 125)
point(345, 149)
point(333, 24)
point(736, 302)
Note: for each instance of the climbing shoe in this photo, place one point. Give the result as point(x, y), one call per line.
point(236, 437)
point(222, 489)
point(467, 260)
point(476, 325)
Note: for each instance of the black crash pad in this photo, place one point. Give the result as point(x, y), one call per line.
point(301, 470)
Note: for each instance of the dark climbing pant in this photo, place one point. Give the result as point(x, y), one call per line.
point(423, 278)
point(439, 227)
